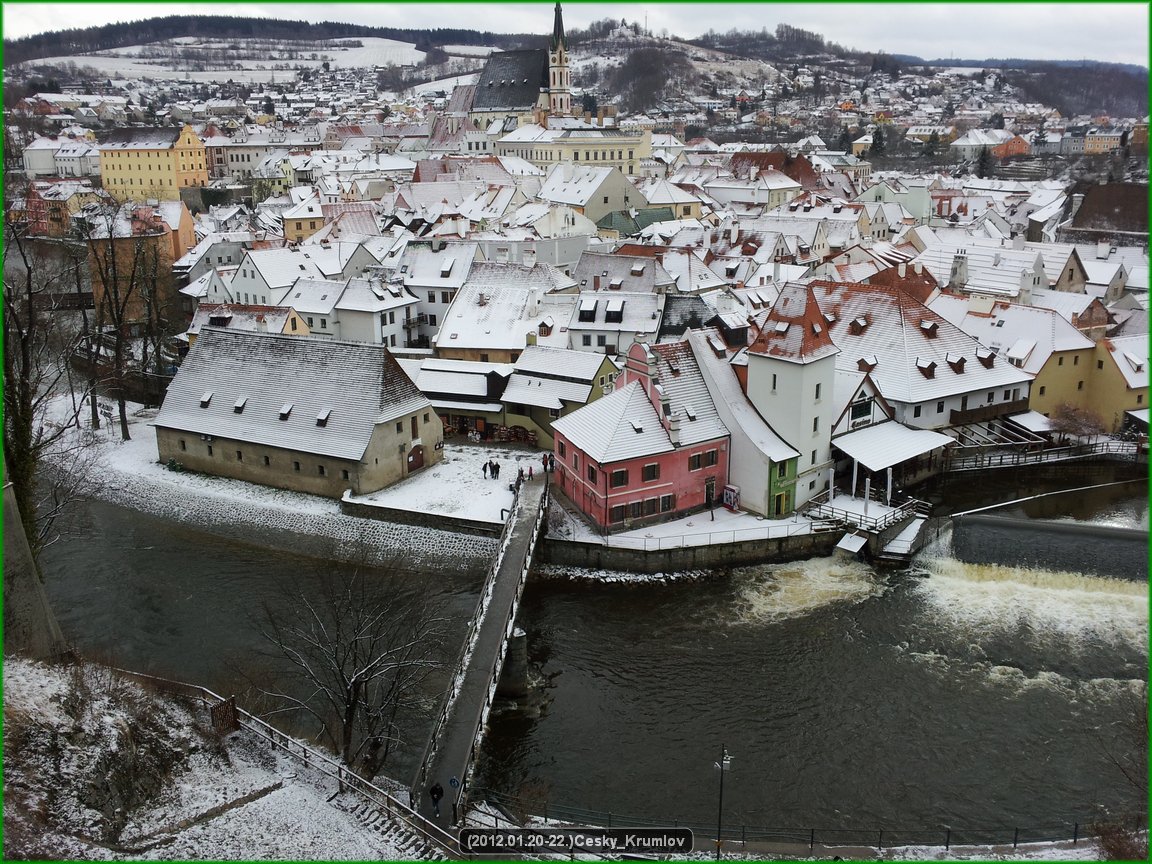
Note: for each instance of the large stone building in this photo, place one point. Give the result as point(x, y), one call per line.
point(301, 413)
point(152, 163)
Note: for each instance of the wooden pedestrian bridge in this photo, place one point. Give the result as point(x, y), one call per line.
point(450, 754)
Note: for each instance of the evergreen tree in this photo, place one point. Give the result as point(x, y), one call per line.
point(984, 163)
point(932, 145)
point(844, 142)
point(877, 148)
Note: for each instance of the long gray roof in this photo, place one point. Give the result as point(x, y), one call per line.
point(360, 384)
point(511, 80)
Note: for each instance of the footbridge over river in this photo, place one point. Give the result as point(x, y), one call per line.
point(459, 728)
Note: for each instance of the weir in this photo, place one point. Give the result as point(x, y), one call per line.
point(460, 725)
point(1100, 550)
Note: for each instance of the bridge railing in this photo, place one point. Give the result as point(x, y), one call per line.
point(498, 662)
point(1001, 458)
point(461, 667)
point(428, 831)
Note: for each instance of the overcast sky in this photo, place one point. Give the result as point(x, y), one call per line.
point(1057, 31)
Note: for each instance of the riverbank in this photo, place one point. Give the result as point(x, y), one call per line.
point(127, 473)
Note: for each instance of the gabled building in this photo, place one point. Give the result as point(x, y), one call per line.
point(152, 163)
point(309, 415)
point(1121, 381)
point(594, 191)
point(653, 449)
point(255, 319)
point(549, 383)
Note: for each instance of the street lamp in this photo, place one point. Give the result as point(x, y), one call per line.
point(725, 761)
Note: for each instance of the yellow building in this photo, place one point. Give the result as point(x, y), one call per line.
point(579, 144)
point(1102, 141)
point(1120, 379)
point(153, 163)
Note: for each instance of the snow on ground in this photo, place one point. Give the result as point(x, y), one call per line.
point(289, 818)
point(445, 84)
point(126, 62)
point(130, 475)
point(457, 485)
point(468, 50)
point(699, 529)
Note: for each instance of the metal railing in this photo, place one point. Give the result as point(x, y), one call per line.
point(886, 519)
point(1009, 458)
point(461, 667)
point(1071, 828)
point(392, 807)
point(710, 538)
point(498, 663)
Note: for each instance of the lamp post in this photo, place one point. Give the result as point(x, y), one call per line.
point(725, 760)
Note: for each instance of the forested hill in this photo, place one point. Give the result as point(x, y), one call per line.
point(78, 41)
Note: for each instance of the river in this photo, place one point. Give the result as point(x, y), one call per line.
point(948, 694)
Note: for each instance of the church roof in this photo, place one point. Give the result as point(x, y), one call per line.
point(512, 80)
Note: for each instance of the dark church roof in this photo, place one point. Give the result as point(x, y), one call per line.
point(511, 81)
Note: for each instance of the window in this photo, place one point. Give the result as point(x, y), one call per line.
point(667, 502)
point(991, 397)
point(650, 506)
point(601, 341)
point(636, 509)
point(323, 323)
point(267, 461)
point(592, 474)
point(605, 199)
point(813, 457)
point(1079, 385)
point(694, 462)
point(1042, 389)
point(322, 470)
point(431, 296)
point(445, 296)
point(939, 407)
point(483, 358)
point(651, 472)
point(344, 474)
point(239, 455)
point(425, 416)
point(616, 514)
point(310, 324)
point(209, 449)
point(296, 467)
point(586, 339)
point(815, 425)
point(773, 383)
point(916, 411)
point(400, 428)
point(431, 320)
point(293, 322)
point(415, 427)
point(562, 449)
point(620, 478)
point(710, 458)
point(1076, 360)
point(1139, 398)
point(576, 461)
point(817, 392)
point(1099, 364)
point(1060, 361)
point(183, 446)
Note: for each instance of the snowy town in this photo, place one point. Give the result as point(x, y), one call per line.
point(429, 361)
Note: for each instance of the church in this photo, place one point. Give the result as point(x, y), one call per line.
point(522, 86)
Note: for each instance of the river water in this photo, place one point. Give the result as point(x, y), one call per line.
point(948, 694)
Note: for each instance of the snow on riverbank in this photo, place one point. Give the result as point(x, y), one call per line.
point(129, 474)
point(85, 781)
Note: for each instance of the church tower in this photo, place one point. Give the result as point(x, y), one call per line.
point(559, 75)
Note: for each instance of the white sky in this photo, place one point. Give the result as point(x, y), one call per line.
point(1057, 31)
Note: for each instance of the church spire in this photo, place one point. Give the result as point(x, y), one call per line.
point(558, 31)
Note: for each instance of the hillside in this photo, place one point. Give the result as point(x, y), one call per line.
point(97, 768)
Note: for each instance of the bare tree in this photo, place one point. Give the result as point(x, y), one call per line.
point(359, 650)
point(1068, 419)
point(1124, 746)
point(42, 401)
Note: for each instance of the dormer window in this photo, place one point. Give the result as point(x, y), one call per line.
point(956, 362)
point(866, 364)
point(781, 327)
point(929, 328)
point(206, 399)
point(322, 417)
point(927, 367)
point(858, 325)
point(240, 403)
point(285, 410)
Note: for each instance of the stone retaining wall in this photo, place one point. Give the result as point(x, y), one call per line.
point(455, 524)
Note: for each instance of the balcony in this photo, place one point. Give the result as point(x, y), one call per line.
point(987, 412)
point(415, 321)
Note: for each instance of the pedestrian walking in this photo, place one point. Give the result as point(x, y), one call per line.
point(552, 462)
point(485, 470)
point(496, 468)
point(436, 793)
point(529, 472)
point(519, 475)
point(544, 463)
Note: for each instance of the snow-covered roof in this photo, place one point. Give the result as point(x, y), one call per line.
point(885, 444)
point(622, 425)
point(360, 384)
point(1130, 354)
point(559, 363)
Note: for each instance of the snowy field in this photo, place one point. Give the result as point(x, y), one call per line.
point(445, 84)
point(468, 50)
point(237, 801)
point(128, 473)
point(127, 62)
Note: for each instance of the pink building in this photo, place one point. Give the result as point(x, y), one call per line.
point(654, 449)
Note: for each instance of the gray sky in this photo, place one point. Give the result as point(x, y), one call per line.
point(1057, 31)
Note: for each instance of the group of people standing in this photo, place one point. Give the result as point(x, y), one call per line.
point(492, 469)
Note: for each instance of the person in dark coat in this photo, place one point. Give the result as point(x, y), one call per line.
point(544, 464)
point(436, 793)
point(552, 462)
point(496, 468)
point(485, 469)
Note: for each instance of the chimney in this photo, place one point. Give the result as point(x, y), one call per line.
point(674, 429)
point(917, 268)
point(530, 338)
point(1077, 200)
point(534, 302)
point(733, 231)
point(902, 269)
point(958, 278)
point(776, 270)
point(1103, 250)
point(1018, 241)
point(996, 259)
